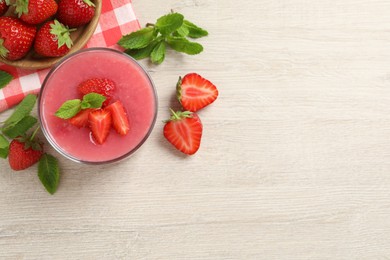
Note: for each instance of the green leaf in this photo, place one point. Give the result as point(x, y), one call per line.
point(61, 33)
point(138, 39)
point(69, 109)
point(21, 127)
point(4, 147)
point(22, 110)
point(49, 173)
point(158, 54)
point(5, 79)
point(142, 53)
point(183, 45)
point(169, 23)
point(182, 31)
point(92, 100)
point(194, 31)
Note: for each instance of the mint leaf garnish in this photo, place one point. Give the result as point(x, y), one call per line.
point(4, 147)
point(49, 173)
point(170, 30)
point(193, 30)
point(92, 100)
point(5, 79)
point(23, 109)
point(183, 45)
point(69, 109)
point(158, 54)
point(138, 39)
point(142, 53)
point(20, 128)
point(169, 23)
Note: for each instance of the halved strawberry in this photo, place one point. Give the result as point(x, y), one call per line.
point(81, 119)
point(105, 87)
point(100, 123)
point(120, 121)
point(184, 131)
point(195, 92)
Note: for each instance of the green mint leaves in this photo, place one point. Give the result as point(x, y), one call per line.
point(49, 173)
point(71, 107)
point(5, 79)
point(170, 30)
point(16, 127)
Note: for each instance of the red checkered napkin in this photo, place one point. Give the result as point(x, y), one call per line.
point(117, 18)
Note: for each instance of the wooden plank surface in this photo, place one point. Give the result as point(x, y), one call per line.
point(294, 162)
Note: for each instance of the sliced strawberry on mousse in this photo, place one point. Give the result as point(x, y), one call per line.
point(184, 131)
point(105, 87)
point(81, 119)
point(100, 123)
point(120, 121)
point(195, 92)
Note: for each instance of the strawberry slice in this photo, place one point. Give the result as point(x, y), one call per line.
point(100, 124)
point(105, 87)
point(81, 119)
point(184, 131)
point(195, 92)
point(120, 121)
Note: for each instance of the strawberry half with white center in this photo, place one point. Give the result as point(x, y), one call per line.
point(100, 123)
point(75, 13)
point(35, 11)
point(23, 153)
point(184, 131)
point(16, 38)
point(105, 87)
point(3, 7)
point(53, 39)
point(120, 121)
point(195, 92)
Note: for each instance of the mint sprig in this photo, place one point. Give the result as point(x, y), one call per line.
point(170, 30)
point(5, 78)
point(71, 107)
point(17, 127)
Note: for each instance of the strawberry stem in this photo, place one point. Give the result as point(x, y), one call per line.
point(34, 133)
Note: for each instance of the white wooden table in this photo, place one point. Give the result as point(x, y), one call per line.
point(294, 162)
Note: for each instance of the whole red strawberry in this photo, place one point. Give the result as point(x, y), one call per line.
point(102, 86)
point(195, 92)
point(53, 40)
point(75, 13)
point(23, 153)
point(35, 11)
point(3, 7)
point(16, 38)
point(184, 131)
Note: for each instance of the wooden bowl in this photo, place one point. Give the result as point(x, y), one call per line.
point(80, 38)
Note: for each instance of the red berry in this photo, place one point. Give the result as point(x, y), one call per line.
point(120, 121)
point(35, 11)
point(81, 119)
point(20, 157)
point(184, 131)
point(75, 13)
point(3, 7)
point(53, 40)
point(16, 38)
point(100, 86)
point(195, 92)
point(100, 124)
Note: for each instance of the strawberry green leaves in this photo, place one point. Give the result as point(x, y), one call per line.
point(5, 79)
point(70, 108)
point(170, 30)
point(4, 147)
point(48, 172)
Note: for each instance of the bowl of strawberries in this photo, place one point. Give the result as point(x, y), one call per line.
point(36, 34)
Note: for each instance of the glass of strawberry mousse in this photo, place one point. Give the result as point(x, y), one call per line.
point(133, 88)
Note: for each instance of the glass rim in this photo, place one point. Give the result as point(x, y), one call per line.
point(46, 132)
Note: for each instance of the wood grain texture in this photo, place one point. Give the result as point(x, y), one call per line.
point(294, 162)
